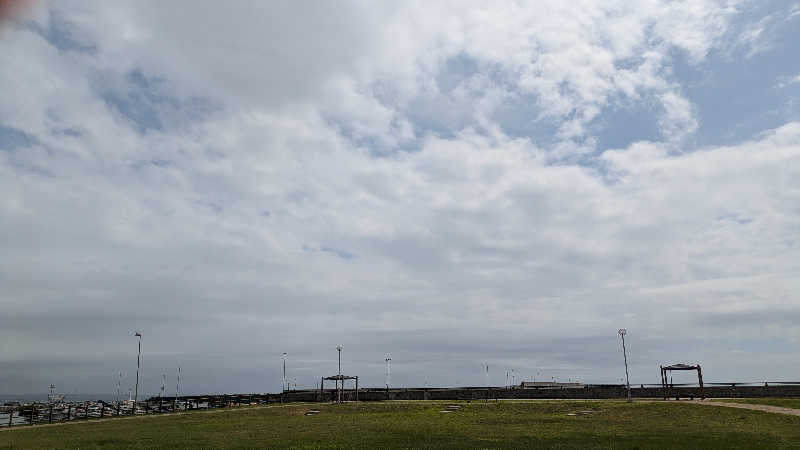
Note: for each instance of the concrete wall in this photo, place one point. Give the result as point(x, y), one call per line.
point(594, 392)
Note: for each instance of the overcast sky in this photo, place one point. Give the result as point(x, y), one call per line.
point(451, 184)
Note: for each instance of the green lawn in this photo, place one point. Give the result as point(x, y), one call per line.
point(539, 424)
point(783, 402)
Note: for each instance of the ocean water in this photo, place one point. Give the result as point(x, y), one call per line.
point(15, 420)
point(26, 398)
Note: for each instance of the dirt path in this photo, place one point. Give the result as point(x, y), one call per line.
point(766, 408)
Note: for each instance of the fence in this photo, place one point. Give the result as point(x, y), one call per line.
point(42, 413)
point(45, 413)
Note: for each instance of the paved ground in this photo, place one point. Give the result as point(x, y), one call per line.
point(766, 408)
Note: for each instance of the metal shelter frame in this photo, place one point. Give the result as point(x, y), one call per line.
point(664, 380)
point(339, 379)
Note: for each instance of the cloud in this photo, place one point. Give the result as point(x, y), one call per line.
point(788, 81)
point(431, 184)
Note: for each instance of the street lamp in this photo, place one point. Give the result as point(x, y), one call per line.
point(163, 387)
point(283, 385)
point(622, 332)
point(138, 362)
point(177, 388)
point(339, 349)
point(388, 371)
point(119, 383)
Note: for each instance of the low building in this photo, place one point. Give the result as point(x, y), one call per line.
point(549, 385)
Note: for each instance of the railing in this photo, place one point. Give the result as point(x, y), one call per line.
point(46, 413)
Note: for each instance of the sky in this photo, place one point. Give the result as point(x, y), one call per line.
point(449, 184)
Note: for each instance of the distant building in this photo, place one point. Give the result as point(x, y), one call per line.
point(549, 385)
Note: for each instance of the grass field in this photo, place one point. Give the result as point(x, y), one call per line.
point(783, 402)
point(541, 424)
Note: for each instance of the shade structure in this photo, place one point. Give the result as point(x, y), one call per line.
point(665, 369)
point(339, 379)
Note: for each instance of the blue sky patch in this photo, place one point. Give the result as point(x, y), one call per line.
point(12, 138)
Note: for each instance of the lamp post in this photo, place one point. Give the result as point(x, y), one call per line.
point(339, 349)
point(388, 372)
point(283, 384)
point(161, 397)
point(138, 362)
point(177, 388)
point(622, 332)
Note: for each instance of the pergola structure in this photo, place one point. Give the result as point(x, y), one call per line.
point(339, 379)
point(664, 380)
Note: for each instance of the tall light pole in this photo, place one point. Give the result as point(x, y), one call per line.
point(163, 388)
point(283, 385)
point(177, 387)
point(388, 372)
point(339, 349)
point(138, 362)
point(622, 332)
point(119, 382)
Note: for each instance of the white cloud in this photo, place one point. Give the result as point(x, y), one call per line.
point(793, 12)
point(787, 81)
point(216, 220)
point(571, 59)
point(756, 36)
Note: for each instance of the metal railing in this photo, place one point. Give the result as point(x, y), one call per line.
point(46, 413)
